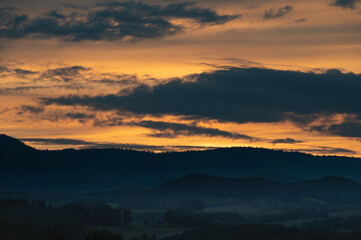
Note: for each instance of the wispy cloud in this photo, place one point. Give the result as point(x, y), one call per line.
point(325, 150)
point(171, 129)
point(64, 74)
point(163, 129)
point(286, 140)
point(274, 13)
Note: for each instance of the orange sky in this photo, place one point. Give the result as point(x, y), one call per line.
point(306, 36)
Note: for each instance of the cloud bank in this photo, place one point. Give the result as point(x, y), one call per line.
point(129, 21)
point(238, 95)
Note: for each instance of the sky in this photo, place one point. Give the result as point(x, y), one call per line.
point(173, 75)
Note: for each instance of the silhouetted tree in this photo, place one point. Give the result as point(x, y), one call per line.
point(127, 217)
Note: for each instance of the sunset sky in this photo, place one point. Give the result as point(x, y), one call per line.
point(179, 75)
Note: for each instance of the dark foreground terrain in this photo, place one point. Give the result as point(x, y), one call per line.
point(27, 220)
point(225, 194)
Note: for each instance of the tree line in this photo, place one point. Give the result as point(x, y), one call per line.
point(70, 219)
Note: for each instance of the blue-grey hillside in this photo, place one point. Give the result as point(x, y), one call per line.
point(29, 170)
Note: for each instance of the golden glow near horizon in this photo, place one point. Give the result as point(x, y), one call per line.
point(312, 37)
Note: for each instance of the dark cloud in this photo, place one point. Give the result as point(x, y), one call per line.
point(238, 95)
point(169, 129)
point(117, 82)
point(28, 88)
point(109, 121)
point(57, 116)
point(88, 144)
point(57, 141)
point(79, 115)
point(21, 89)
point(178, 10)
point(71, 77)
point(64, 74)
point(344, 129)
point(40, 113)
point(69, 5)
point(286, 140)
point(10, 22)
point(30, 109)
point(3, 69)
point(117, 79)
point(300, 20)
point(112, 21)
point(274, 13)
point(325, 150)
point(351, 4)
point(306, 119)
point(21, 72)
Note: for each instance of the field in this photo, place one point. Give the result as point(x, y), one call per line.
point(132, 231)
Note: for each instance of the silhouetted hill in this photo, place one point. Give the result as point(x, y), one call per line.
point(212, 186)
point(277, 177)
point(12, 144)
point(330, 182)
point(122, 168)
point(331, 189)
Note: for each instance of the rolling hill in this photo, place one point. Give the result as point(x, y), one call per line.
point(89, 170)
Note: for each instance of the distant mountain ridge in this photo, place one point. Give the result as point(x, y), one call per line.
point(125, 169)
